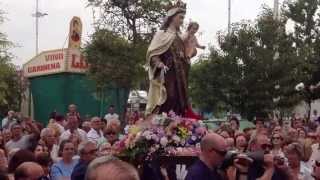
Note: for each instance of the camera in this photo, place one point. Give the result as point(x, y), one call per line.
point(244, 159)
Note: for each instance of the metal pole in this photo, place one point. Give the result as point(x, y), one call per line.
point(37, 26)
point(229, 16)
point(276, 10)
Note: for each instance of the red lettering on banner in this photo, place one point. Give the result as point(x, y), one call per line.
point(43, 68)
point(54, 57)
point(78, 63)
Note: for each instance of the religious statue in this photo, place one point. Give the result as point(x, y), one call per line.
point(168, 66)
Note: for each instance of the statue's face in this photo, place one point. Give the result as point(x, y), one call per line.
point(178, 19)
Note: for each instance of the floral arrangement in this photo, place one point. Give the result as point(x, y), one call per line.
point(165, 134)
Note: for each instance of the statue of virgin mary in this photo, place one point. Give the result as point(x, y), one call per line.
point(168, 66)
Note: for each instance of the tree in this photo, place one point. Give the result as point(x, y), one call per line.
point(306, 19)
point(9, 79)
point(133, 19)
point(254, 71)
point(112, 60)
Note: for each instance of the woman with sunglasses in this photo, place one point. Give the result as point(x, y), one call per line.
point(111, 135)
point(277, 141)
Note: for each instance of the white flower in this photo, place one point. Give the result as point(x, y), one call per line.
point(183, 142)
point(193, 138)
point(300, 87)
point(155, 138)
point(176, 139)
point(148, 137)
point(164, 141)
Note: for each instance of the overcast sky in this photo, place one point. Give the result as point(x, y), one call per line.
point(20, 25)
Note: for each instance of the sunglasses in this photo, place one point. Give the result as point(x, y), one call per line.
point(111, 133)
point(221, 153)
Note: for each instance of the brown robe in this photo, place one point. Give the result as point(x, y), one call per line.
point(176, 78)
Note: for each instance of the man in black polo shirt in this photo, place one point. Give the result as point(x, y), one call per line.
point(213, 150)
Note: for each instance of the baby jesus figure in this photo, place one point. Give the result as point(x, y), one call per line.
point(191, 41)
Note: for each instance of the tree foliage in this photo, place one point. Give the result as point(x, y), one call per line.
point(133, 19)
point(113, 60)
point(253, 72)
point(117, 49)
point(306, 19)
point(9, 79)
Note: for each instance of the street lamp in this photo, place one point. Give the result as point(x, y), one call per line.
point(38, 15)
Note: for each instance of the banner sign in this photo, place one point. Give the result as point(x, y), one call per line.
point(56, 61)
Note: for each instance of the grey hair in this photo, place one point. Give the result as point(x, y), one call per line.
point(97, 163)
point(94, 118)
point(45, 131)
point(114, 121)
point(83, 145)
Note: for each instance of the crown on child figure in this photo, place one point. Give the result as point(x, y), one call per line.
point(178, 4)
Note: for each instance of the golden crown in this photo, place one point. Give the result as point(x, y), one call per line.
point(177, 4)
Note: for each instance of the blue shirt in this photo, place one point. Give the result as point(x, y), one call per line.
point(79, 171)
point(60, 169)
point(200, 171)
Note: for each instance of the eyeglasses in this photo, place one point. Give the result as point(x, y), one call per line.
point(221, 153)
point(93, 151)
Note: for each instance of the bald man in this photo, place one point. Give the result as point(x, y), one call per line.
point(29, 170)
point(213, 150)
point(110, 168)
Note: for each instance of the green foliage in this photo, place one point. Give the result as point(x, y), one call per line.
point(9, 79)
point(114, 62)
point(118, 47)
point(306, 19)
point(244, 75)
point(132, 19)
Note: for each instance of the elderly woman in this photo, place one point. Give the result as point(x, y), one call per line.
point(299, 170)
point(111, 133)
point(63, 168)
point(49, 139)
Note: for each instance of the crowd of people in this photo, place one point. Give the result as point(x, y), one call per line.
point(72, 148)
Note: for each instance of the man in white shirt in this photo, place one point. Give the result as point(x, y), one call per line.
point(73, 129)
point(111, 114)
point(95, 134)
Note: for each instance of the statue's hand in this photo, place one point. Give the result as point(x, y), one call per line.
point(163, 67)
